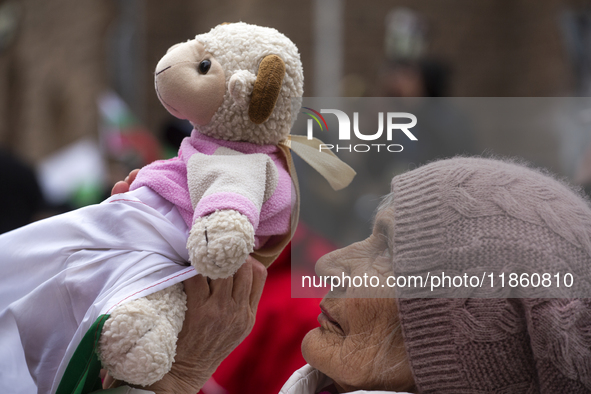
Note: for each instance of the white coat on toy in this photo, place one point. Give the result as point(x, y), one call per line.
point(238, 82)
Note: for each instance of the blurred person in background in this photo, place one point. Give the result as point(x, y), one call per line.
point(409, 71)
point(21, 200)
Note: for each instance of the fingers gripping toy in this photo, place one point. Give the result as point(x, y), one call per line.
point(239, 86)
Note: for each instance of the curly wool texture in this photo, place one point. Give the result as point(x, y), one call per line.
point(219, 243)
point(138, 341)
point(240, 46)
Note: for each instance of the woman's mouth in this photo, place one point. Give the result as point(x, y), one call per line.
point(325, 319)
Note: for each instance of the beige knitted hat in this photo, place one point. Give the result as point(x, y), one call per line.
point(475, 214)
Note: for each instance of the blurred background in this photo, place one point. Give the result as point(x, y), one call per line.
point(78, 109)
point(76, 77)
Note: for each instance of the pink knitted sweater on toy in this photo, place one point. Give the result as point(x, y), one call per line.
point(225, 175)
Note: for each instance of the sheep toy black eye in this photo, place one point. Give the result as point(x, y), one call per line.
point(204, 66)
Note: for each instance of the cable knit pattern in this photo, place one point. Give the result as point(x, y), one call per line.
point(475, 215)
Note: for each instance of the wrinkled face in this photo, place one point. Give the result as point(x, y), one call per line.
point(359, 342)
point(190, 82)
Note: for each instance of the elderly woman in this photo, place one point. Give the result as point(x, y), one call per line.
point(464, 213)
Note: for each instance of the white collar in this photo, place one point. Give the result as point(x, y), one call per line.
point(308, 380)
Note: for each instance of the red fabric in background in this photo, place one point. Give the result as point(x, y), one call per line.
point(264, 361)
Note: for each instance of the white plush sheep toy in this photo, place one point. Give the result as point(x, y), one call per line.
point(238, 85)
point(110, 276)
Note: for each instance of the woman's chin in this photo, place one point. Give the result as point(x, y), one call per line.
point(319, 346)
point(308, 344)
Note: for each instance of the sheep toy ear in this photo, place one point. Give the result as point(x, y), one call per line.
point(266, 88)
point(240, 85)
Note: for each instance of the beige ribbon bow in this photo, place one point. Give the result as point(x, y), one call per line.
point(334, 170)
point(338, 174)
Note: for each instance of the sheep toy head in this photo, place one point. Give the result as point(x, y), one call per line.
point(238, 82)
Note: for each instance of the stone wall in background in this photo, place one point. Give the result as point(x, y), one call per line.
point(51, 75)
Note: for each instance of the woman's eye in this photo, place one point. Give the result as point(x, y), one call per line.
point(204, 66)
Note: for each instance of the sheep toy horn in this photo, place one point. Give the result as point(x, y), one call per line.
point(266, 88)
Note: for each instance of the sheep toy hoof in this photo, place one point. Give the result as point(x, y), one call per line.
point(219, 244)
point(138, 341)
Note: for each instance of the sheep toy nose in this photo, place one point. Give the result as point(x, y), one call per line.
point(266, 88)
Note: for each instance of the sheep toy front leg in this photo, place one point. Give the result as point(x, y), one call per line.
point(227, 190)
point(138, 341)
point(220, 243)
